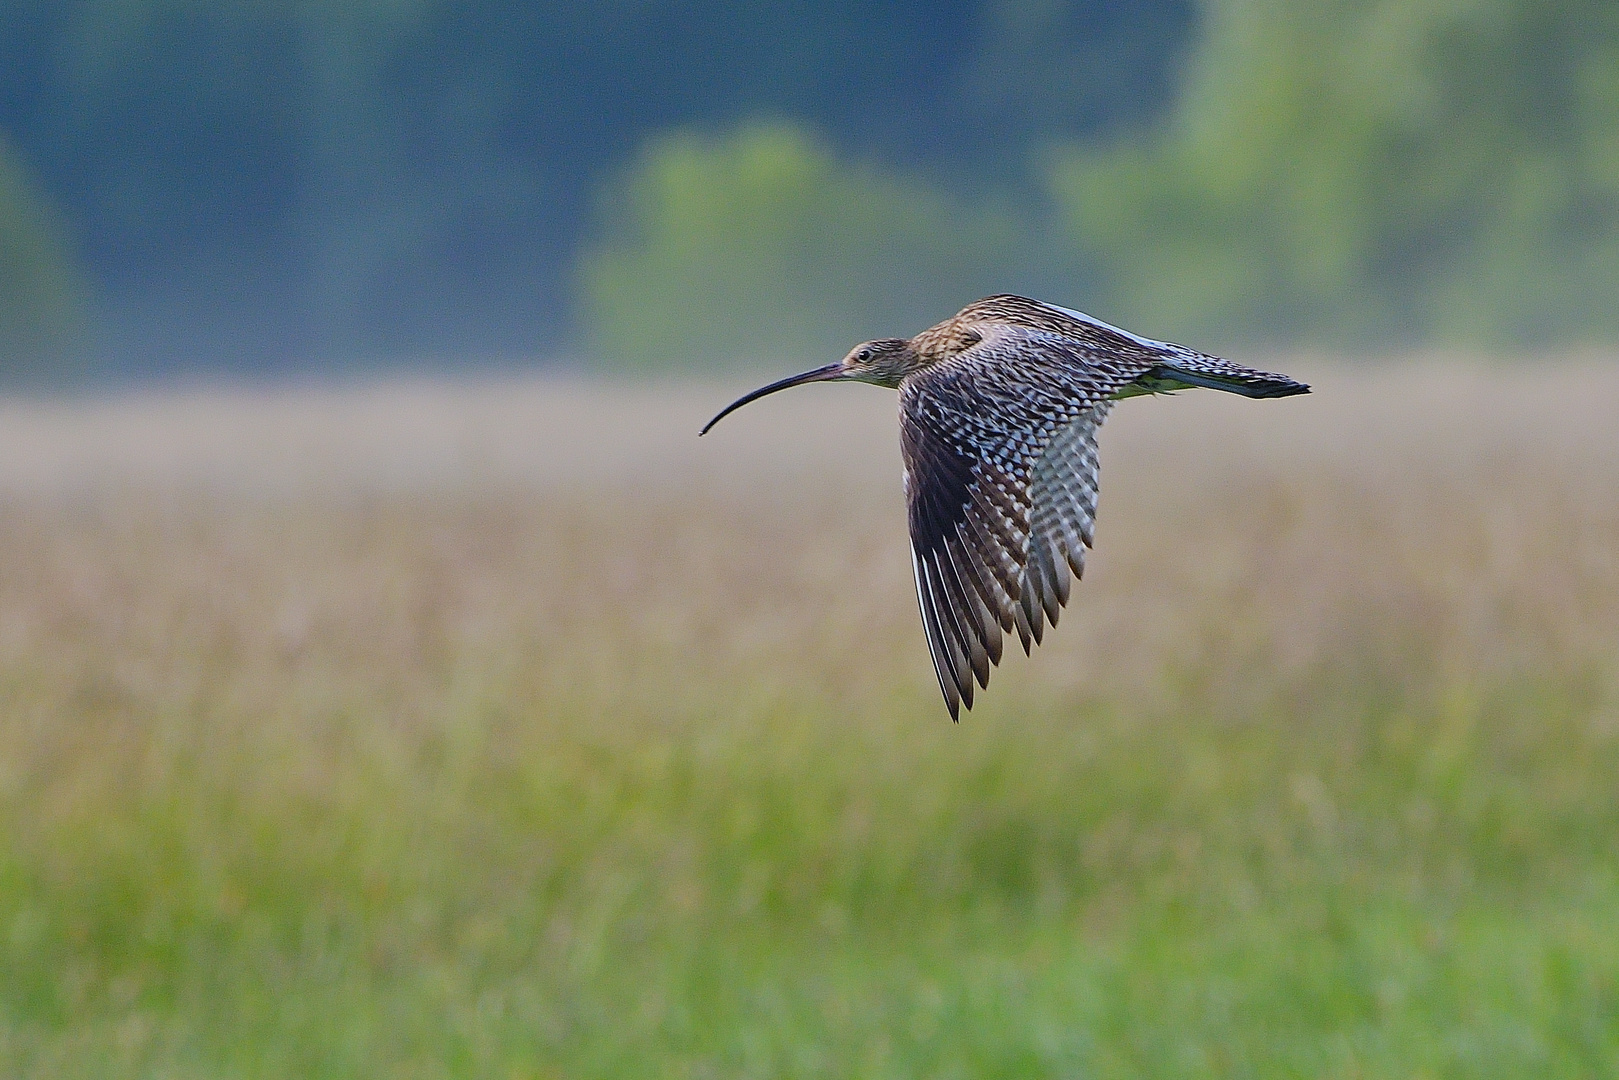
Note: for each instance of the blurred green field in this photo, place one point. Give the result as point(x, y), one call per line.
point(380, 732)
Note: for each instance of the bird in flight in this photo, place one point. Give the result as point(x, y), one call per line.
point(999, 409)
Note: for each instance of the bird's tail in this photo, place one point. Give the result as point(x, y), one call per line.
point(1207, 371)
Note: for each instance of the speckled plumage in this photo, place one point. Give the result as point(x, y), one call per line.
point(999, 410)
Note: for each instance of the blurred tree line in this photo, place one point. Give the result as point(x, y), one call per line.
point(763, 246)
point(1370, 172)
point(245, 181)
point(254, 183)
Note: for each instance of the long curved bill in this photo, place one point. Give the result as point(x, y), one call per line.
point(829, 373)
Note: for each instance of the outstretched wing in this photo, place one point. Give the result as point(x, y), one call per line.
point(999, 444)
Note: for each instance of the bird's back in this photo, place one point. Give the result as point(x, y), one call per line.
point(1010, 310)
point(1163, 365)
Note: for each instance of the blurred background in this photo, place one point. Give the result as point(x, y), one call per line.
point(392, 685)
point(263, 186)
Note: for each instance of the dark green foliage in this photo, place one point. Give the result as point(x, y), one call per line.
point(1368, 172)
point(764, 247)
point(1342, 174)
point(265, 181)
point(271, 182)
point(39, 298)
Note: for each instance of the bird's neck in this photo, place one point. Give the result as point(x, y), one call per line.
point(941, 342)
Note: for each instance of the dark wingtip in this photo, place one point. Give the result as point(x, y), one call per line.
point(1267, 388)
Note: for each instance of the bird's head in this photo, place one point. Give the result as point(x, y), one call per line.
point(883, 363)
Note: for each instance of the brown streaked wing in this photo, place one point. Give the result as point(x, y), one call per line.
point(972, 430)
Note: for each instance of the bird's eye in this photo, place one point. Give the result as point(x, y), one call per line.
point(863, 355)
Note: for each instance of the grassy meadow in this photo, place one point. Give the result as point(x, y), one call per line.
point(506, 730)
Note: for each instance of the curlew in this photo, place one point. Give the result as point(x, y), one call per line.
point(999, 409)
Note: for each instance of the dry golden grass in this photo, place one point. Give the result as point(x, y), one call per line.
point(1471, 504)
point(396, 699)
